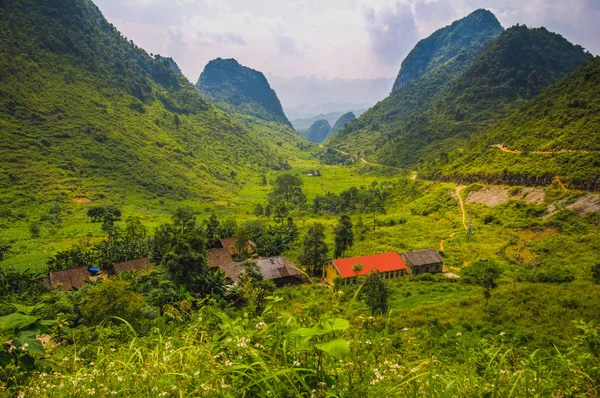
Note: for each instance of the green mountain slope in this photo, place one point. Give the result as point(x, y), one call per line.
point(318, 132)
point(390, 117)
point(517, 66)
point(445, 44)
point(342, 122)
point(241, 89)
point(84, 112)
point(554, 134)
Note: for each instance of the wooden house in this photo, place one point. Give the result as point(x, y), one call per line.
point(278, 269)
point(390, 265)
point(423, 261)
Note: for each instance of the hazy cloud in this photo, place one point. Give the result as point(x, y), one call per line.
point(392, 32)
point(351, 39)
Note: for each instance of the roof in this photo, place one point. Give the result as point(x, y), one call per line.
point(229, 245)
point(68, 278)
point(272, 268)
point(218, 257)
point(137, 265)
point(381, 262)
point(424, 257)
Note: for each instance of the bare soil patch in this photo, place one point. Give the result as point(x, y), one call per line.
point(82, 201)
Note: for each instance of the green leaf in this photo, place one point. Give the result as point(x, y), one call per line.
point(337, 348)
point(16, 321)
point(28, 342)
point(25, 309)
point(306, 332)
point(340, 324)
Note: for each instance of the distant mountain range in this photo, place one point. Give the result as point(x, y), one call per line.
point(332, 118)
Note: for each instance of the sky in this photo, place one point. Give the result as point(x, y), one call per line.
point(324, 41)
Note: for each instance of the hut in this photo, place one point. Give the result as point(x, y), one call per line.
point(423, 261)
point(67, 279)
point(390, 265)
point(278, 269)
point(137, 265)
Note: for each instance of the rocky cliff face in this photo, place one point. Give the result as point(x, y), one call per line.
point(447, 43)
point(239, 88)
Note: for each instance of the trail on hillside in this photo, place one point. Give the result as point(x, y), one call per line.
point(518, 151)
point(559, 181)
point(462, 206)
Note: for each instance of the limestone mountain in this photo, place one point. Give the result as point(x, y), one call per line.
point(85, 112)
point(169, 62)
point(430, 68)
point(517, 66)
point(318, 132)
point(447, 43)
point(242, 89)
point(342, 122)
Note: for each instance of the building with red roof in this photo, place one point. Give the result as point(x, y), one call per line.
point(390, 265)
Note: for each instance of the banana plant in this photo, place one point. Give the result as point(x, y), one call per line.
point(322, 338)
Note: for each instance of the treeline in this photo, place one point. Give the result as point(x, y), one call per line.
point(287, 194)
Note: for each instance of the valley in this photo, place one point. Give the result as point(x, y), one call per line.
point(164, 238)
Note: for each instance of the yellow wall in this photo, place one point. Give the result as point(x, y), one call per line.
point(331, 273)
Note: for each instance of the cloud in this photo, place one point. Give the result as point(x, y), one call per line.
point(286, 45)
point(392, 32)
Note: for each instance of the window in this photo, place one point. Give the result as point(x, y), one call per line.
point(386, 275)
point(397, 273)
point(402, 273)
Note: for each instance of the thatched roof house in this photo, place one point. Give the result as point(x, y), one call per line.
point(137, 265)
point(67, 279)
point(218, 257)
point(278, 269)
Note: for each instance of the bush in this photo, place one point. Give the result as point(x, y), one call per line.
point(112, 298)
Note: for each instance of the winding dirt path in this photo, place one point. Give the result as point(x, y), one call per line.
point(462, 206)
point(517, 151)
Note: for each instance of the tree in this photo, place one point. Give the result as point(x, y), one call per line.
point(180, 247)
point(211, 230)
point(280, 212)
point(258, 210)
point(34, 229)
point(292, 230)
point(111, 298)
point(288, 187)
point(268, 210)
point(376, 293)
point(314, 249)
point(263, 181)
point(484, 274)
point(344, 237)
point(4, 248)
point(595, 273)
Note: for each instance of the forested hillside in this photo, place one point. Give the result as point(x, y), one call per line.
point(555, 134)
point(87, 113)
point(447, 43)
point(243, 89)
point(447, 56)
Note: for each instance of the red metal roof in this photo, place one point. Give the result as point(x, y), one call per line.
point(381, 262)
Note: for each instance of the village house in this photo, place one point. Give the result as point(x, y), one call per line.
point(390, 265)
point(423, 261)
point(278, 269)
point(76, 278)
